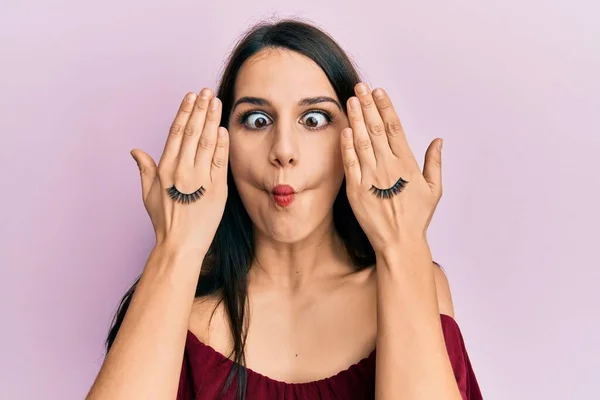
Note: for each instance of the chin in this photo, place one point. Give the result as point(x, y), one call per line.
point(288, 233)
point(293, 225)
point(290, 224)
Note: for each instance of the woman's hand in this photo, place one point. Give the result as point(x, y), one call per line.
point(185, 195)
point(391, 198)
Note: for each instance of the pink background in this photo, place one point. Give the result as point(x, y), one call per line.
point(512, 86)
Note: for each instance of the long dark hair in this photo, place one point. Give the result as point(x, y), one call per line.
point(232, 249)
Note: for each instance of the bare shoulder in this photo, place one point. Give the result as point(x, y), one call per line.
point(444, 295)
point(206, 317)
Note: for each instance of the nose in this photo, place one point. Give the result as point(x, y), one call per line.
point(284, 149)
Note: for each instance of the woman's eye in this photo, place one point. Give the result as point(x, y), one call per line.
point(315, 120)
point(257, 120)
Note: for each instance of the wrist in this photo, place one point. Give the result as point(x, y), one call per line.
point(174, 253)
point(406, 260)
point(175, 248)
point(405, 249)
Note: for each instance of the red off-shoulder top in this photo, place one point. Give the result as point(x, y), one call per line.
point(204, 370)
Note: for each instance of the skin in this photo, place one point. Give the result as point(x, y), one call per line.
point(305, 297)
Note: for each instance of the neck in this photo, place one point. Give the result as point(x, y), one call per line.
point(321, 255)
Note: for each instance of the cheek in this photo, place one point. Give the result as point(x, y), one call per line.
point(332, 157)
point(235, 159)
point(239, 162)
point(336, 168)
point(235, 163)
point(247, 171)
point(326, 165)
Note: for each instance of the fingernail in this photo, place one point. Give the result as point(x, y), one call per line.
point(440, 144)
point(378, 93)
point(347, 133)
point(361, 88)
point(205, 93)
point(354, 103)
point(214, 103)
point(134, 159)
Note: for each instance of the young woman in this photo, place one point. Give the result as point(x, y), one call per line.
point(290, 218)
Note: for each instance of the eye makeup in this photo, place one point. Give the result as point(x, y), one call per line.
point(256, 115)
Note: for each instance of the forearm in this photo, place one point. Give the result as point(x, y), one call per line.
point(412, 360)
point(145, 359)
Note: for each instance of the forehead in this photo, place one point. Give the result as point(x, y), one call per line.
point(280, 76)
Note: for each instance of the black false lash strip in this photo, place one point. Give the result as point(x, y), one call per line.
point(185, 198)
point(392, 191)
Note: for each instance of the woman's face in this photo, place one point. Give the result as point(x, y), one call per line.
point(284, 130)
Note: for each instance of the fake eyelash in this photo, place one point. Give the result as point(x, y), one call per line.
point(185, 198)
point(392, 191)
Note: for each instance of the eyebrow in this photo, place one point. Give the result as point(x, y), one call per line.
point(309, 101)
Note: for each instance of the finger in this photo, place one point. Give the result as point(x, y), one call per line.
point(395, 133)
point(350, 159)
point(362, 141)
point(373, 122)
point(193, 130)
point(147, 168)
point(208, 139)
point(432, 168)
point(173, 144)
point(218, 172)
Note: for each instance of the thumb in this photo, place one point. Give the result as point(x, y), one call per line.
point(147, 168)
point(432, 169)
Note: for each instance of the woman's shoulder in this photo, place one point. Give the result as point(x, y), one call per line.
point(208, 319)
point(442, 287)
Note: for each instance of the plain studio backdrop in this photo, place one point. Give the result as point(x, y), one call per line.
point(512, 86)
